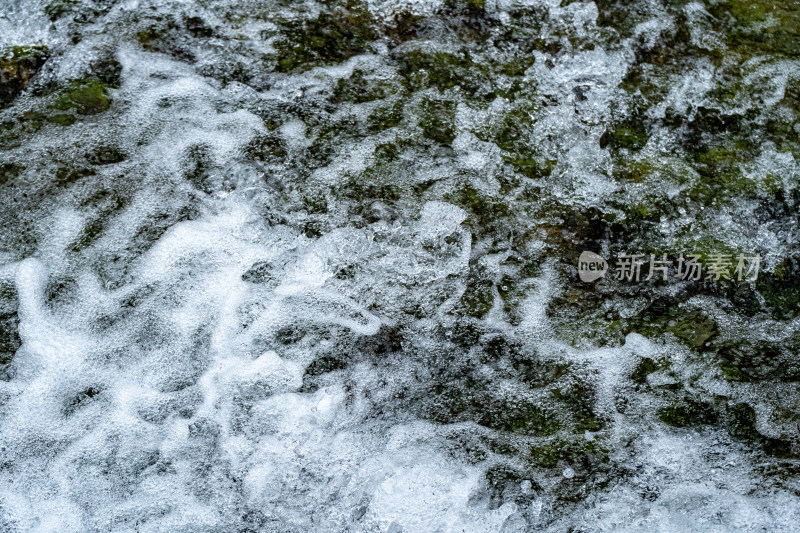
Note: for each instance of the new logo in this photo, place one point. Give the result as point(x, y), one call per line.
point(591, 266)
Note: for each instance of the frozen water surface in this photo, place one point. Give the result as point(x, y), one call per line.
point(279, 266)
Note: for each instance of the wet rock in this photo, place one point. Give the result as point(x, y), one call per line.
point(18, 66)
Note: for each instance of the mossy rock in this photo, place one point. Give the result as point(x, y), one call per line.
point(359, 88)
point(332, 37)
point(688, 412)
point(511, 132)
point(576, 451)
point(68, 174)
point(577, 395)
point(479, 5)
point(503, 484)
point(90, 234)
point(478, 298)
point(58, 8)
point(9, 172)
point(691, 327)
point(781, 289)
point(457, 397)
point(443, 70)
point(532, 167)
point(741, 424)
point(162, 34)
point(103, 208)
point(628, 136)
point(721, 177)
point(108, 70)
point(528, 419)
point(84, 97)
point(485, 211)
point(10, 341)
point(318, 367)
point(755, 361)
point(384, 117)
point(371, 185)
point(106, 155)
point(437, 121)
point(760, 26)
point(18, 66)
point(644, 368)
point(289, 334)
point(269, 147)
point(198, 165)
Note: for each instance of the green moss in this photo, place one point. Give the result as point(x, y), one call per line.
point(385, 117)
point(757, 361)
point(18, 65)
point(485, 211)
point(695, 242)
point(517, 67)
point(573, 451)
point(475, 4)
point(67, 175)
point(577, 395)
point(533, 168)
point(721, 167)
point(645, 367)
point(511, 132)
point(147, 37)
point(360, 89)
point(628, 136)
point(437, 121)
point(692, 327)
point(268, 148)
point(688, 412)
point(634, 171)
point(387, 151)
point(371, 185)
point(781, 289)
point(760, 26)
point(741, 424)
point(84, 97)
point(529, 419)
point(478, 298)
point(444, 70)
point(329, 38)
point(62, 119)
